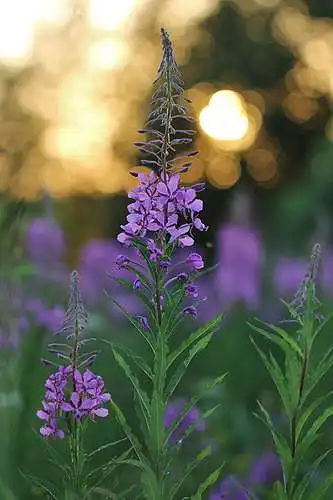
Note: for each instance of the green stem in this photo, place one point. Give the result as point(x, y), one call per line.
point(156, 490)
point(294, 420)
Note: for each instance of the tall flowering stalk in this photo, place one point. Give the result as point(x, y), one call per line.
point(163, 216)
point(74, 395)
point(295, 383)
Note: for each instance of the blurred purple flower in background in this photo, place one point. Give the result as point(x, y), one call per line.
point(45, 241)
point(174, 410)
point(240, 255)
point(326, 274)
point(265, 471)
point(49, 318)
point(229, 489)
point(14, 322)
point(97, 260)
point(288, 275)
point(99, 263)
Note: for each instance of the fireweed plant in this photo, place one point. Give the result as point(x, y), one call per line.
point(295, 382)
point(162, 217)
point(74, 396)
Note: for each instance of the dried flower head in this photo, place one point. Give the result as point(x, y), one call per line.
point(163, 136)
point(308, 284)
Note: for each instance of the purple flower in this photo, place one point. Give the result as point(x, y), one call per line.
point(239, 273)
point(195, 261)
point(191, 311)
point(192, 290)
point(97, 260)
point(229, 489)
point(81, 396)
point(193, 417)
point(137, 284)
point(122, 261)
point(326, 274)
point(288, 275)
point(49, 415)
point(266, 470)
point(162, 205)
point(45, 241)
point(143, 321)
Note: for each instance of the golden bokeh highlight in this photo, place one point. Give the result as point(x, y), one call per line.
point(225, 118)
point(110, 15)
point(18, 23)
point(108, 54)
point(311, 40)
point(261, 164)
point(223, 171)
point(230, 121)
point(299, 107)
point(178, 10)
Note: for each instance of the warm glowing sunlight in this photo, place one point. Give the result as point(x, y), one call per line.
point(109, 15)
point(225, 117)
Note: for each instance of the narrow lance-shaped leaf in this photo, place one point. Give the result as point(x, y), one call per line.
point(142, 396)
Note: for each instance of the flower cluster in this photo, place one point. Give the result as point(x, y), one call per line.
point(162, 205)
point(86, 399)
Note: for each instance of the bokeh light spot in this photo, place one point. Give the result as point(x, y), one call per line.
point(225, 118)
point(223, 171)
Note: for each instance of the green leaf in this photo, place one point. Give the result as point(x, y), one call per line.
point(205, 416)
point(277, 376)
point(105, 447)
point(43, 485)
point(57, 460)
point(320, 328)
point(138, 360)
point(314, 377)
point(293, 374)
point(143, 296)
point(148, 339)
point(193, 401)
point(283, 340)
point(312, 435)
point(208, 328)
point(188, 471)
point(208, 483)
point(280, 441)
point(199, 346)
point(128, 431)
point(104, 471)
point(304, 484)
point(308, 412)
point(142, 396)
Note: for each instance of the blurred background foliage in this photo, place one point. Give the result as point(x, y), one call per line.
point(75, 85)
